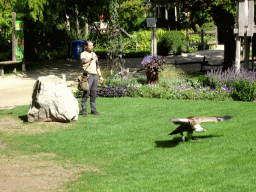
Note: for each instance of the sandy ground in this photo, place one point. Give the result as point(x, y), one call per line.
point(17, 90)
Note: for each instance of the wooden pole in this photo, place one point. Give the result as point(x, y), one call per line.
point(13, 36)
point(216, 37)
point(13, 40)
point(187, 34)
point(238, 40)
point(153, 38)
point(238, 47)
point(202, 39)
point(246, 51)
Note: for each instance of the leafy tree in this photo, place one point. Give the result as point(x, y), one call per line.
point(223, 13)
point(130, 12)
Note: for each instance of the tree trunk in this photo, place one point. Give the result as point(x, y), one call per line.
point(225, 21)
point(229, 51)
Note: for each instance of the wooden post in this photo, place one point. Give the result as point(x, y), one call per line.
point(216, 37)
point(246, 51)
point(165, 13)
point(238, 47)
point(187, 34)
point(1, 70)
point(23, 68)
point(202, 39)
point(13, 40)
point(13, 36)
point(153, 38)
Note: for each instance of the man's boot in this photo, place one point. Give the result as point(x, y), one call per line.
point(93, 96)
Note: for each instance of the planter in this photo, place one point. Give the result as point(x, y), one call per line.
point(152, 66)
point(152, 76)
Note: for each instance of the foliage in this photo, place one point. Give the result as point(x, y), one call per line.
point(129, 13)
point(244, 91)
point(109, 91)
point(200, 14)
point(170, 74)
point(174, 84)
point(103, 53)
point(196, 38)
point(115, 44)
point(172, 42)
point(5, 49)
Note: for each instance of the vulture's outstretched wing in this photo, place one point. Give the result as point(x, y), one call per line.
point(179, 121)
point(202, 119)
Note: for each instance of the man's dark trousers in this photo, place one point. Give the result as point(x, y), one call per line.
point(92, 93)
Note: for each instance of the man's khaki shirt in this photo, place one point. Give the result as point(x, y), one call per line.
point(87, 58)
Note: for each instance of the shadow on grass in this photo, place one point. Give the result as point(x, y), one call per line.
point(24, 118)
point(168, 143)
point(176, 140)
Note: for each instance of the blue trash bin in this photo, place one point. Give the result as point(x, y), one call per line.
point(77, 48)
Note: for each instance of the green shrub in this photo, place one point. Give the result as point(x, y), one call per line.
point(244, 91)
point(102, 53)
point(5, 56)
point(173, 42)
point(99, 40)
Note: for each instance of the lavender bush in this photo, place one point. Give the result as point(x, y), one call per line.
point(182, 90)
point(242, 84)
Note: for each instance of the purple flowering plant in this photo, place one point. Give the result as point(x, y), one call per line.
point(153, 63)
point(242, 83)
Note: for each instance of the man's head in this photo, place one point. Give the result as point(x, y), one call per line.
point(88, 46)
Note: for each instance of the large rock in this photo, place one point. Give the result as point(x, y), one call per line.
point(52, 101)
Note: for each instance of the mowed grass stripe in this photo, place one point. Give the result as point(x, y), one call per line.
point(129, 142)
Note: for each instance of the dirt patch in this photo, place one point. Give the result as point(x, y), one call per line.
point(11, 125)
point(40, 172)
point(31, 173)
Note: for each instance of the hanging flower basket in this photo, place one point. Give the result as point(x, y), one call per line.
point(152, 65)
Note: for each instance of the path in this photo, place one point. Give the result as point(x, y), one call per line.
point(17, 89)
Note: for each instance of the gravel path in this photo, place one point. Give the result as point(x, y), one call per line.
point(17, 89)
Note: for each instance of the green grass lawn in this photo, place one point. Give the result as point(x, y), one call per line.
point(130, 147)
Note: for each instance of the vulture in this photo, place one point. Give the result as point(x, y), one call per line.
point(193, 124)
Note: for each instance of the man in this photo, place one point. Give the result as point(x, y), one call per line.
point(90, 67)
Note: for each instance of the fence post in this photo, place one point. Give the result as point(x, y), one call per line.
point(216, 37)
point(202, 39)
point(187, 34)
point(13, 36)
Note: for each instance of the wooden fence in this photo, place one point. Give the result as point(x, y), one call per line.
point(202, 33)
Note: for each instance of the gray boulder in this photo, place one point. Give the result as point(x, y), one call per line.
point(52, 101)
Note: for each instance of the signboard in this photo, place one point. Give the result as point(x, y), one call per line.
point(19, 40)
point(151, 22)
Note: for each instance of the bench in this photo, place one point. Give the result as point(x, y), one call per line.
point(202, 63)
point(2, 63)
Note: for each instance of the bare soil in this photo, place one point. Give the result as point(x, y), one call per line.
point(38, 172)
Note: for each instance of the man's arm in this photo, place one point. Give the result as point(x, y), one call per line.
point(99, 72)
